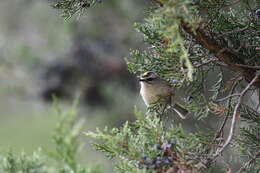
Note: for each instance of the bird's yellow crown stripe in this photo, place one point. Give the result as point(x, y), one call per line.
point(145, 74)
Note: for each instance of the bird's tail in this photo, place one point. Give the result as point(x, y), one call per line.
point(182, 112)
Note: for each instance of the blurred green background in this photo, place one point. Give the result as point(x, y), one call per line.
point(34, 38)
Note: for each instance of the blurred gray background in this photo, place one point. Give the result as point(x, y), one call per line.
point(42, 55)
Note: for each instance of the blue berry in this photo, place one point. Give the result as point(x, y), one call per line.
point(170, 159)
point(174, 81)
point(166, 161)
point(151, 166)
point(145, 157)
point(158, 162)
point(166, 146)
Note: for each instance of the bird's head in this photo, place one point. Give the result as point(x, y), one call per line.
point(149, 77)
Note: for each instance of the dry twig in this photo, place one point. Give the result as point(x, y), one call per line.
point(227, 97)
point(227, 115)
point(233, 121)
point(248, 66)
point(223, 54)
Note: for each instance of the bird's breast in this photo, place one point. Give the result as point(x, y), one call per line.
point(152, 94)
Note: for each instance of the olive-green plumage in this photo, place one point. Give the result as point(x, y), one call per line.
point(154, 89)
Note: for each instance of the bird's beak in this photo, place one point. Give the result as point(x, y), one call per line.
point(142, 79)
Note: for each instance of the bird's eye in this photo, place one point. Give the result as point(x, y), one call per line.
point(150, 79)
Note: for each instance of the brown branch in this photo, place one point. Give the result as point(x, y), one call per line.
point(249, 162)
point(205, 38)
point(248, 66)
point(233, 121)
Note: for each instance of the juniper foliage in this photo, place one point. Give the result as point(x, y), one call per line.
point(71, 7)
point(191, 41)
point(146, 146)
point(62, 160)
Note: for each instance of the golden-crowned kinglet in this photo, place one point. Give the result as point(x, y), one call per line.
point(156, 90)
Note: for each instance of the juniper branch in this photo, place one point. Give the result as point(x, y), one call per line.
point(235, 63)
point(233, 122)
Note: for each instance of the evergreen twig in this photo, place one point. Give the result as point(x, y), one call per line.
point(234, 117)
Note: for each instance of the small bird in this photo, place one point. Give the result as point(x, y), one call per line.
point(156, 90)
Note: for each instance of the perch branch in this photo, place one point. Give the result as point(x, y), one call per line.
point(233, 121)
point(227, 115)
point(205, 38)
